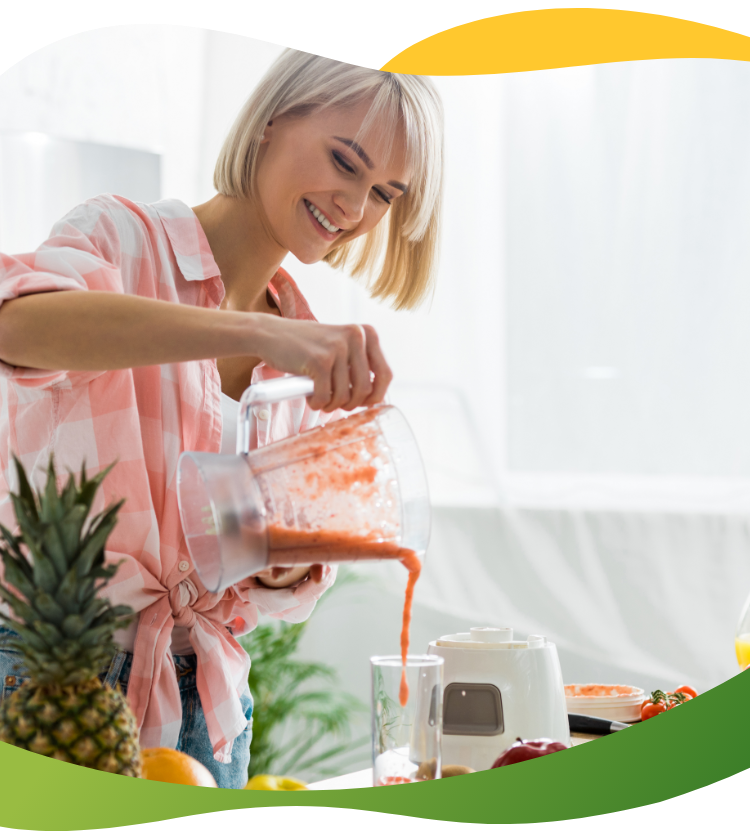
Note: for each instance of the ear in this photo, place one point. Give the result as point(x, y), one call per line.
point(267, 132)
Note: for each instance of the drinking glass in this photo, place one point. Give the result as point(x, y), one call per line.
point(742, 637)
point(406, 739)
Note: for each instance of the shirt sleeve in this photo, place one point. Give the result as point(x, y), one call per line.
point(293, 604)
point(81, 253)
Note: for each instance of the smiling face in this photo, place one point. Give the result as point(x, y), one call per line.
point(318, 187)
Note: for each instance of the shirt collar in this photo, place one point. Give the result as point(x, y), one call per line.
point(189, 243)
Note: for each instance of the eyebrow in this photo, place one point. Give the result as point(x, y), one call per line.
point(360, 152)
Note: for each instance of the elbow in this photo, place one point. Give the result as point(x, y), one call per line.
point(13, 335)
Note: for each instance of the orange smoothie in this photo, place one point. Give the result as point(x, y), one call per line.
point(742, 649)
point(413, 565)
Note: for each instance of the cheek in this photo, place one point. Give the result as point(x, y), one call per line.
point(375, 214)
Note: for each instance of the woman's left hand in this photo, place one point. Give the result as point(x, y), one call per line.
point(280, 577)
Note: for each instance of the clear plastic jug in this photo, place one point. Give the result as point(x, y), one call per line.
point(354, 489)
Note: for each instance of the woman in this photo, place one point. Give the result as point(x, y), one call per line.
point(182, 310)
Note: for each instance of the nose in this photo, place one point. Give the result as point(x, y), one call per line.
point(351, 203)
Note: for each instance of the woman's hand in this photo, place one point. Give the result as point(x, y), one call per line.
point(345, 361)
point(280, 577)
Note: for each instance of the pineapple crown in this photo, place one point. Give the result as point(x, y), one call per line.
point(56, 563)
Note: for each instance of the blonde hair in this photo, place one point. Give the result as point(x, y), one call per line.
point(400, 256)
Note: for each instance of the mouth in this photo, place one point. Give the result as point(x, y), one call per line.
point(321, 222)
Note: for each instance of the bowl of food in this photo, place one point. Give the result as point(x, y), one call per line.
point(612, 702)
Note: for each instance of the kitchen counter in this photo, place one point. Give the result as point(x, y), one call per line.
point(363, 778)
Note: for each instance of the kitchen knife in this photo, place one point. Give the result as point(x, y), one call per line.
point(584, 724)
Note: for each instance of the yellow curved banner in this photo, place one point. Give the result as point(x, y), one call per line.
point(552, 38)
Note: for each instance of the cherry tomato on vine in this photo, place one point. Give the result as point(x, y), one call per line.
point(686, 690)
point(651, 709)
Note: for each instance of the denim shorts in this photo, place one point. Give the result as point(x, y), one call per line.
point(193, 739)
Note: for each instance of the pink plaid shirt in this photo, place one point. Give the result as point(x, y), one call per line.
point(144, 418)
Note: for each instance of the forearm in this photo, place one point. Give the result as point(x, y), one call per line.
point(99, 331)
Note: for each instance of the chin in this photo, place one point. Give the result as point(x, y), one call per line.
point(307, 257)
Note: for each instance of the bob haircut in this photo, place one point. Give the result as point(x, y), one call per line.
point(400, 257)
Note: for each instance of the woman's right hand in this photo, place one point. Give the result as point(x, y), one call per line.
point(345, 362)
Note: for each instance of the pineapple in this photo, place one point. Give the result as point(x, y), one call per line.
point(54, 571)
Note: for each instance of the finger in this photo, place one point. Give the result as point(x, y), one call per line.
point(316, 573)
point(322, 393)
point(341, 386)
point(359, 369)
point(379, 367)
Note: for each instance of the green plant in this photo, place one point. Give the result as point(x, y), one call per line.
point(301, 717)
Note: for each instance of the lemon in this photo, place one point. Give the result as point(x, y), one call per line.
point(274, 782)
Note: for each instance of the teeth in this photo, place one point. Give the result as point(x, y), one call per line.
point(321, 218)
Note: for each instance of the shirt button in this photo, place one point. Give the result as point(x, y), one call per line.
point(183, 566)
point(264, 414)
point(10, 680)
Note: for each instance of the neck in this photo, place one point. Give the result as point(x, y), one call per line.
point(244, 250)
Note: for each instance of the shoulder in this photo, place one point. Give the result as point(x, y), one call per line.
point(111, 224)
point(292, 302)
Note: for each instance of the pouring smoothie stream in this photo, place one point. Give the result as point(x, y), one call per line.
point(351, 490)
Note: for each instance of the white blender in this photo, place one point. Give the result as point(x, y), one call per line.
point(497, 689)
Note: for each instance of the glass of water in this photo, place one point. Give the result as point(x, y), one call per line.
point(406, 738)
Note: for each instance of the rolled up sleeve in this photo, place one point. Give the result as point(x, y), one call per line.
point(293, 604)
point(82, 253)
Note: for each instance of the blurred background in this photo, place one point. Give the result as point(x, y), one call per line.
point(580, 381)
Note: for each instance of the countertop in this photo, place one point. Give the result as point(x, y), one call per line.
point(363, 778)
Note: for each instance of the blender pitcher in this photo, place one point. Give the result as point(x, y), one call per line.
point(353, 489)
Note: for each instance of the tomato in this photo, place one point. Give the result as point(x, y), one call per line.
point(686, 690)
point(651, 709)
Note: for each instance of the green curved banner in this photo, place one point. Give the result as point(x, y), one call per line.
point(694, 745)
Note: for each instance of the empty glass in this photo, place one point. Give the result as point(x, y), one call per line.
point(406, 739)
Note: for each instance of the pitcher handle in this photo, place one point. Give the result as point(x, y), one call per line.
point(267, 391)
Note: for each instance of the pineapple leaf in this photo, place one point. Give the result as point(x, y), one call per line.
point(20, 608)
point(121, 611)
point(74, 626)
point(26, 515)
point(88, 487)
point(48, 608)
point(28, 637)
point(11, 541)
point(96, 635)
point(70, 529)
point(13, 548)
point(67, 593)
point(17, 575)
point(45, 576)
point(69, 493)
point(50, 634)
point(93, 545)
point(25, 491)
point(53, 546)
point(49, 501)
point(85, 593)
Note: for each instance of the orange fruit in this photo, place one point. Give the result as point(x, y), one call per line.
point(173, 767)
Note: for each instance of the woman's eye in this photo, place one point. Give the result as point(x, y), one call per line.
point(342, 163)
point(384, 197)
